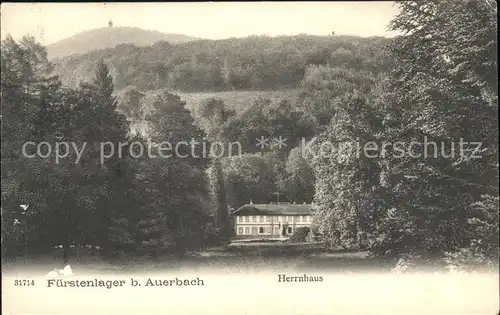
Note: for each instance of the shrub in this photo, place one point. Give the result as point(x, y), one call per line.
point(313, 235)
point(470, 258)
point(300, 234)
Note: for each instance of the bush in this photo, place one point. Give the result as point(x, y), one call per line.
point(313, 235)
point(466, 259)
point(300, 234)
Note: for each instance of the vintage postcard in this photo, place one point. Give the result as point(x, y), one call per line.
point(298, 158)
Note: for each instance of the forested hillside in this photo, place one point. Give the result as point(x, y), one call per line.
point(253, 63)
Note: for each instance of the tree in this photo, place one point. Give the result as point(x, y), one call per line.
point(446, 91)
point(251, 177)
point(219, 196)
point(175, 216)
point(104, 81)
point(228, 73)
point(325, 85)
point(346, 180)
point(110, 127)
point(32, 110)
point(300, 234)
point(72, 198)
point(131, 104)
point(299, 181)
point(118, 203)
point(214, 115)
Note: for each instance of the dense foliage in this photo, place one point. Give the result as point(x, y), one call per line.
point(253, 63)
point(125, 202)
point(439, 199)
point(300, 234)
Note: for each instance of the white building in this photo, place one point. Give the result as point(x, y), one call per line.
point(271, 220)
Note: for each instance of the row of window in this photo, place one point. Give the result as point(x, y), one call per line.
point(256, 230)
point(266, 218)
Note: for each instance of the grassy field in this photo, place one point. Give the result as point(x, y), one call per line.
point(240, 274)
point(236, 100)
point(238, 278)
point(237, 257)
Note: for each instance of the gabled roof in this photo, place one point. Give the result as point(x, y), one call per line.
point(270, 209)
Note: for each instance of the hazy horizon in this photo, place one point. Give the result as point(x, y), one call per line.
point(203, 20)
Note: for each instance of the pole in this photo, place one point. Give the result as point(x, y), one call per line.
point(25, 237)
point(25, 208)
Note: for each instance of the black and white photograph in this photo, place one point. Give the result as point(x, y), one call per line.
point(298, 158)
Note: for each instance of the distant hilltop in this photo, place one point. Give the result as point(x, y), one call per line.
point(108, 37)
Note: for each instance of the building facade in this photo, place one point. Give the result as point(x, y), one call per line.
point(271, 221)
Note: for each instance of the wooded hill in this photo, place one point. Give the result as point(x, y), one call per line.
point(108, 37)
point(252, 63)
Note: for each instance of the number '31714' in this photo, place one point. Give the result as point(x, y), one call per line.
point(24, 283)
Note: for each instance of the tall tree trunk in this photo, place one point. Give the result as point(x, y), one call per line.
point(219, 191)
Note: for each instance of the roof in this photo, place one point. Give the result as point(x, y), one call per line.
point(270, 209)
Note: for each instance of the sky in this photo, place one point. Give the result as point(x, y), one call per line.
point(51, 22)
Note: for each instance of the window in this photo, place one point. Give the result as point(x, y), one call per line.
point(268, 230)
point(276, 230)
point(254, 230)
point(290, 219)
point(261, 230)
point(240, 219)
point(247, 219)
point(254, 219)
point(240, 231)
point(290, 230)
point(247, 230)
point(261, 218)
point(268, 218)
point(299, 219)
